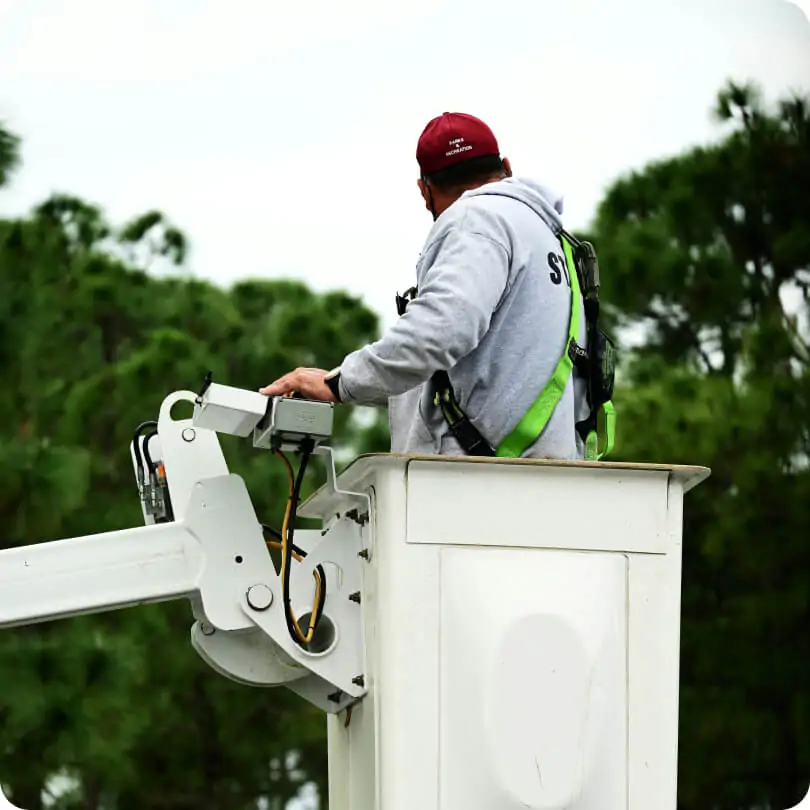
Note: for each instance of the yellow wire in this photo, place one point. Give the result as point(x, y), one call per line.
point(299, 558)
point(305, 639)
point(277, 544)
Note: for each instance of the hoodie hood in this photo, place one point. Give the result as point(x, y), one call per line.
point(545, 202)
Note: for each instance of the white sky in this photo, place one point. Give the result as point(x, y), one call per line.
point(280, 136)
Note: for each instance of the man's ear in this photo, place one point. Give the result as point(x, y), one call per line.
point(425, 192)
point(507, 167)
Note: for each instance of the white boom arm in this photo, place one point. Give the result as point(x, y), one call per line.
point(95, 573)
point(203, 542)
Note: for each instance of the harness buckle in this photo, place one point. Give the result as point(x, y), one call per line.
point(404, 299)
point(579, 357)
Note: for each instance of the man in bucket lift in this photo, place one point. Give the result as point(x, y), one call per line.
point(487, 355)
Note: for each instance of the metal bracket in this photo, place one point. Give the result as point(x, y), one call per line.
point(336, 501)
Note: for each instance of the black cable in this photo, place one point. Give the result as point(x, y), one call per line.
point(137, 435)
point(306, 450)
point(277, 534)
point(147, 456)
point(319, 568)
point(156, 481)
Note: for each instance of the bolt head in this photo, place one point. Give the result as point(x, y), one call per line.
point(259, 597)
point(189, 434)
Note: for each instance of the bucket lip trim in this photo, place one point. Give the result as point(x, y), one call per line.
point(360, 468)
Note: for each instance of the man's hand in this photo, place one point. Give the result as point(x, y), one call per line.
point(308, 382)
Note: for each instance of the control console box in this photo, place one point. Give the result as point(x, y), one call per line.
point(275, 422)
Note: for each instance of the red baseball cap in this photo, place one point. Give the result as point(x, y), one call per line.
point(451, 138)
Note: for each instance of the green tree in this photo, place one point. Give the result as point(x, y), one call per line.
point(9, 154)
point(90, 343)
point(706, 259)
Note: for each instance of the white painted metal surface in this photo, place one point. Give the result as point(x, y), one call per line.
point(50, 581)
point(189, 453)
point(522, 636)
point(225, 409)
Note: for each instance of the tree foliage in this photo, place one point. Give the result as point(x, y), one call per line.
point(90, 343)
point(9, 153)
point(706, 259)
point(706, 271)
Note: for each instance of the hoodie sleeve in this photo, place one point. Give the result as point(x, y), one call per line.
point(445, 322)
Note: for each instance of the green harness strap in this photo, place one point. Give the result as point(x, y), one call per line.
point(536, 418)
point(592, 442)
point(534, 421)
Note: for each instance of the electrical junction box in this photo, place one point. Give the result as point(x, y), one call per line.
point(522, 623)
point(274, 422)
point(289, 421)
point(225, 409)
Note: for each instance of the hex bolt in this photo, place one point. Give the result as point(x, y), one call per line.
point(335, 697)
point(259, 597)
point(359, 680)
point(206, 629)
point(355, 597)
point(357, 517)
point(363, 553)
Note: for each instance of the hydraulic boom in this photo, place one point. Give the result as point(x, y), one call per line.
point(202, 541)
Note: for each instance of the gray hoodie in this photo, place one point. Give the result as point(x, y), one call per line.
point(492, 310)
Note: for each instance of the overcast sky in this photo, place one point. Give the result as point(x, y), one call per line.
point(280, 136)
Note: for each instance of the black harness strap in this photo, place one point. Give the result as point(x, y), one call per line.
point(465, 433)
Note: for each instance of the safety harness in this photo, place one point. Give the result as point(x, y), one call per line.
point(595, 363)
